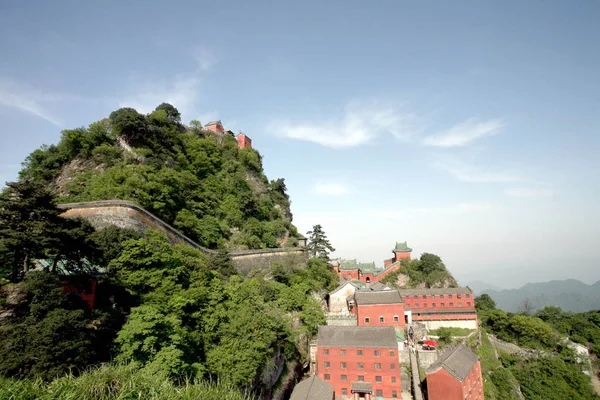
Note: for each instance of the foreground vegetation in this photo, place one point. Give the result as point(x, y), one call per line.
point(553, 372)
point(115, 382)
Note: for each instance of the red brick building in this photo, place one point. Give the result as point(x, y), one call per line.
point(368, 272)
point(244, 142)
point(401, 252)
point(382, 308)
point(456, 375)
point(215, 126)
point(442, 304)
point(360, 362)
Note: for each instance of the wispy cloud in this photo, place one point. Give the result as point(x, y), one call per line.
point(529, 192)
point(331, 188)
point(145, 93)
point(468, 173)
point(360, 124)
point(464, 133)
point(22, 97)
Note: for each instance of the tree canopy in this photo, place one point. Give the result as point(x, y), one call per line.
point(318, 245)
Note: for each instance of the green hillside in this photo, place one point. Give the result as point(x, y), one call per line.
point(197, 181)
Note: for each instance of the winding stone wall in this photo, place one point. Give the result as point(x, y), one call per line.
point(127, 214)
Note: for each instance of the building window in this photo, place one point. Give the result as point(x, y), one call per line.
point(344, 378)
point(396, 318)
point(327, 377)
point(378, 379)
point(377, 352)
point(379, 393)
point(327, 364)
point(381, 320)
point(442, 305)
point(459, 304)
point(459, 296)
point(359, 352)
point(392, 353)
point(377, 366)
point(468, 304)
point(367, 320)
point(393, 379)
point(415, 297)
point(451, 304)
point(394, 394)
point(449, 296)
point(433, 305)
point(360, 365)
point(468, 296)
point(417, 305)
point(342, 365)
point(392, 366)
point(361, 378)
point(424, 297)
point(326, 352)
point(441, 296)
point(342, 352)
point(344, 392)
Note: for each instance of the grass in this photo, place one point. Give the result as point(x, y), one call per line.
point(452, 331)
point(120, 382)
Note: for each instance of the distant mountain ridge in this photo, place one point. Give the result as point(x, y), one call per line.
point(570, 295)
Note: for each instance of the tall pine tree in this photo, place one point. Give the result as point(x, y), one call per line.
point(318, 245)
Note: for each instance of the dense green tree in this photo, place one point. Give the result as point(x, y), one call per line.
point(130, 124)
point(221, 263)
point(484, 303)
point(318, 246)
point(171, 112)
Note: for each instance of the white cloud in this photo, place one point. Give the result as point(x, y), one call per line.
point(330, 188)
point(468, 173)
point(27, 99)
point(360, 125)
point(182, 91)
point(529, 192)
point(464, 133)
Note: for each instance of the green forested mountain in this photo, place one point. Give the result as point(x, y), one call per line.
point(198, 181)
point(170, 313)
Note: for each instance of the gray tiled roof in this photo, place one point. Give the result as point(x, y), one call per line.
point(458, 362)
point(214, 123)
point(435, 291)
point(379, 286)
point(365, 298)
point(361, 387)
point(442, 311)
point(313, 388)
point(357, 336)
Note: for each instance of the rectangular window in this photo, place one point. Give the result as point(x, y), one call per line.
point(342, 352)
point(417, 305)
point(377, 366)
point(377, 352)
point(441, 296)
point(451, 304)
point(393, 379)
point(359, 352)
point(327, 377)
point(379, 393)
point(396, 318)
point(360, 365)
point(392, 353)
point(459, 304)
point(361, 378)
point(394, 394)
point(326, 352)
point(344, 392)
point(392, 366)
point(367, 320)
point(344, 378)
point(377, 379)
point(449, 296)
point(459, 296)
point(442, 305)
point(415, 297)
point(468, 304)
point(327, 364)
point(433, 305)
point(381, 320)
point(424, 297)
point(342, 365)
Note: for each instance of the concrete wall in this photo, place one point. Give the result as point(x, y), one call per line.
point(127, 214)
point(464, 323)
point(337, 299)
point(427, 357)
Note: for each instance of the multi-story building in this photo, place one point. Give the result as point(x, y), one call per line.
point(360, 362)
point(379, 308)
point(441, 306)
point(368, 272)
point(456, 375)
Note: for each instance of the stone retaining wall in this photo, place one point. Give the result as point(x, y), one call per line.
point(127, 214)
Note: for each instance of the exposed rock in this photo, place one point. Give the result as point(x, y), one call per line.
point(70, 172)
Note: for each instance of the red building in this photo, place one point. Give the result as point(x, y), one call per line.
point(456, 375)
point(368, 272)
point(384, 308)
point(441, 304)
point(215, 126)
point(401, 252)
point(360, 362)
point(244, 142)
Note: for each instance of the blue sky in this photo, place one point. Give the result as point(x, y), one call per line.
point(469, 129)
